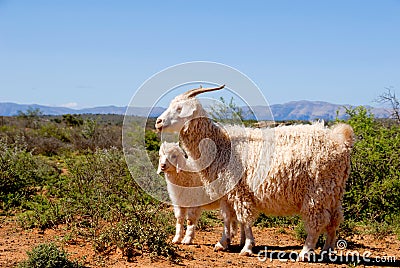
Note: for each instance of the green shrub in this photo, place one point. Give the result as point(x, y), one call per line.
point(144, 232)
point(300, 232)
point(21, 173)
point(208, 219)
point(372, 192)
point(52, 130)
point(48, 256)
point(41, 213)
point(49, 135)
point(152, 142)
point(99, 186)
point(272, 221)
point(17, 168)
point(348, 228)
point(72, 120)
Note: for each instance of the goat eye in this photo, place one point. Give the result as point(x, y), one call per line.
point(179, 109)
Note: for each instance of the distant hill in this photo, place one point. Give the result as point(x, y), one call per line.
point(12, 109)
point(311, 110)
point(295, 110)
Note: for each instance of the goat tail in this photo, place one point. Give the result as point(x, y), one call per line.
point(343, 133)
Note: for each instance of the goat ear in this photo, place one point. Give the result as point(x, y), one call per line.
point(187, 110)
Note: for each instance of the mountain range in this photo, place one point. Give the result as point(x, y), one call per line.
point(295, 110)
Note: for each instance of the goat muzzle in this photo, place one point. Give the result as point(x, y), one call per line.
point(159, 125)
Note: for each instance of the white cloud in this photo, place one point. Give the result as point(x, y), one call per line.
point(70, 105)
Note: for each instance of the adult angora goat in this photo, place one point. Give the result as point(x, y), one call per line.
point(287, 170)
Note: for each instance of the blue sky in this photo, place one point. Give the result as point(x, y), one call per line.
point(91, 53)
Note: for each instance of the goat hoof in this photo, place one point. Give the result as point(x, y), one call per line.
point(187, 241)
point(176, 240)
point(306, 256)
point(246, 252)
point(219, 247)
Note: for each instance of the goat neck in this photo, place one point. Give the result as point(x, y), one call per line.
point(201, 128)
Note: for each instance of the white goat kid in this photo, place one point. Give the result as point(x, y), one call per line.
point(188, 196)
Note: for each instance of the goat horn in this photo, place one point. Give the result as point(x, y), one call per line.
point(196, 91)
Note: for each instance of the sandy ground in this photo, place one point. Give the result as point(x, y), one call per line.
point(274, 248)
